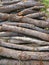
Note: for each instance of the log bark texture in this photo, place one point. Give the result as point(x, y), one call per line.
point(30, 10)
point(24, 19)
point(36, 15)
point(25, 31)
point(26, 25)
point(17, 6)
point(23, 47)
point(19, 55)
point(26, 40)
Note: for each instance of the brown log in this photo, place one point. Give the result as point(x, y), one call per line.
point(36, 15)
point(35, 22)
point(13, 17)
point(23, 47)
point(17, 6)
point(15, 46)
point(29, 20)
point(25, 40)
point(25, 31)
point(29, 40)
point(30, 10)
point(19, 55)
point(5, 16)
point(25, 25)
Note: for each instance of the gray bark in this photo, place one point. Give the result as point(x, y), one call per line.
point(13, 17)
point(27, 40)
point(17, 6)
point(36, 15)
point(26, 25)
point(19, 55)
point(25, 31)
point(23, 47)
point(30, 10)
point(15, 46)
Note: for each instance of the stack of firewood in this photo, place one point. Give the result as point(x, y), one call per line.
point(24, 33)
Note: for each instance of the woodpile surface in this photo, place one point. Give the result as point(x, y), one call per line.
point(24, 33)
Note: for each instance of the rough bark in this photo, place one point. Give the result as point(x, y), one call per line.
point(13, 17)
point(25, 31)
point(23, 47)
point(35, 22)
point(17, 6)
point(27, 40)
point(19, 55)
point(15, 46)
point(26, 25)
point(36, 15)
point(30, 10)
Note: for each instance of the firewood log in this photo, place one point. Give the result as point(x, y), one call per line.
point(26, 39)
point(25, 25)
point(25, 31)
point(23, 55)
point(36, 15)
point(13, 17)
point(23, 47)
point(17, 6)
point(30, 10)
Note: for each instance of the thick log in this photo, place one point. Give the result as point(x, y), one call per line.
point(19, 55)
point(16, 62)
point(17, 6)
point(23, 47)
point(36, 15)
point(30, 10)
point(25, 31)
point(35, 22)
point(15, 46)
point(13, 17)
point(27, 40)
point(26, 25)
point(29, 20)
point(9, 2)
point(30, 40)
